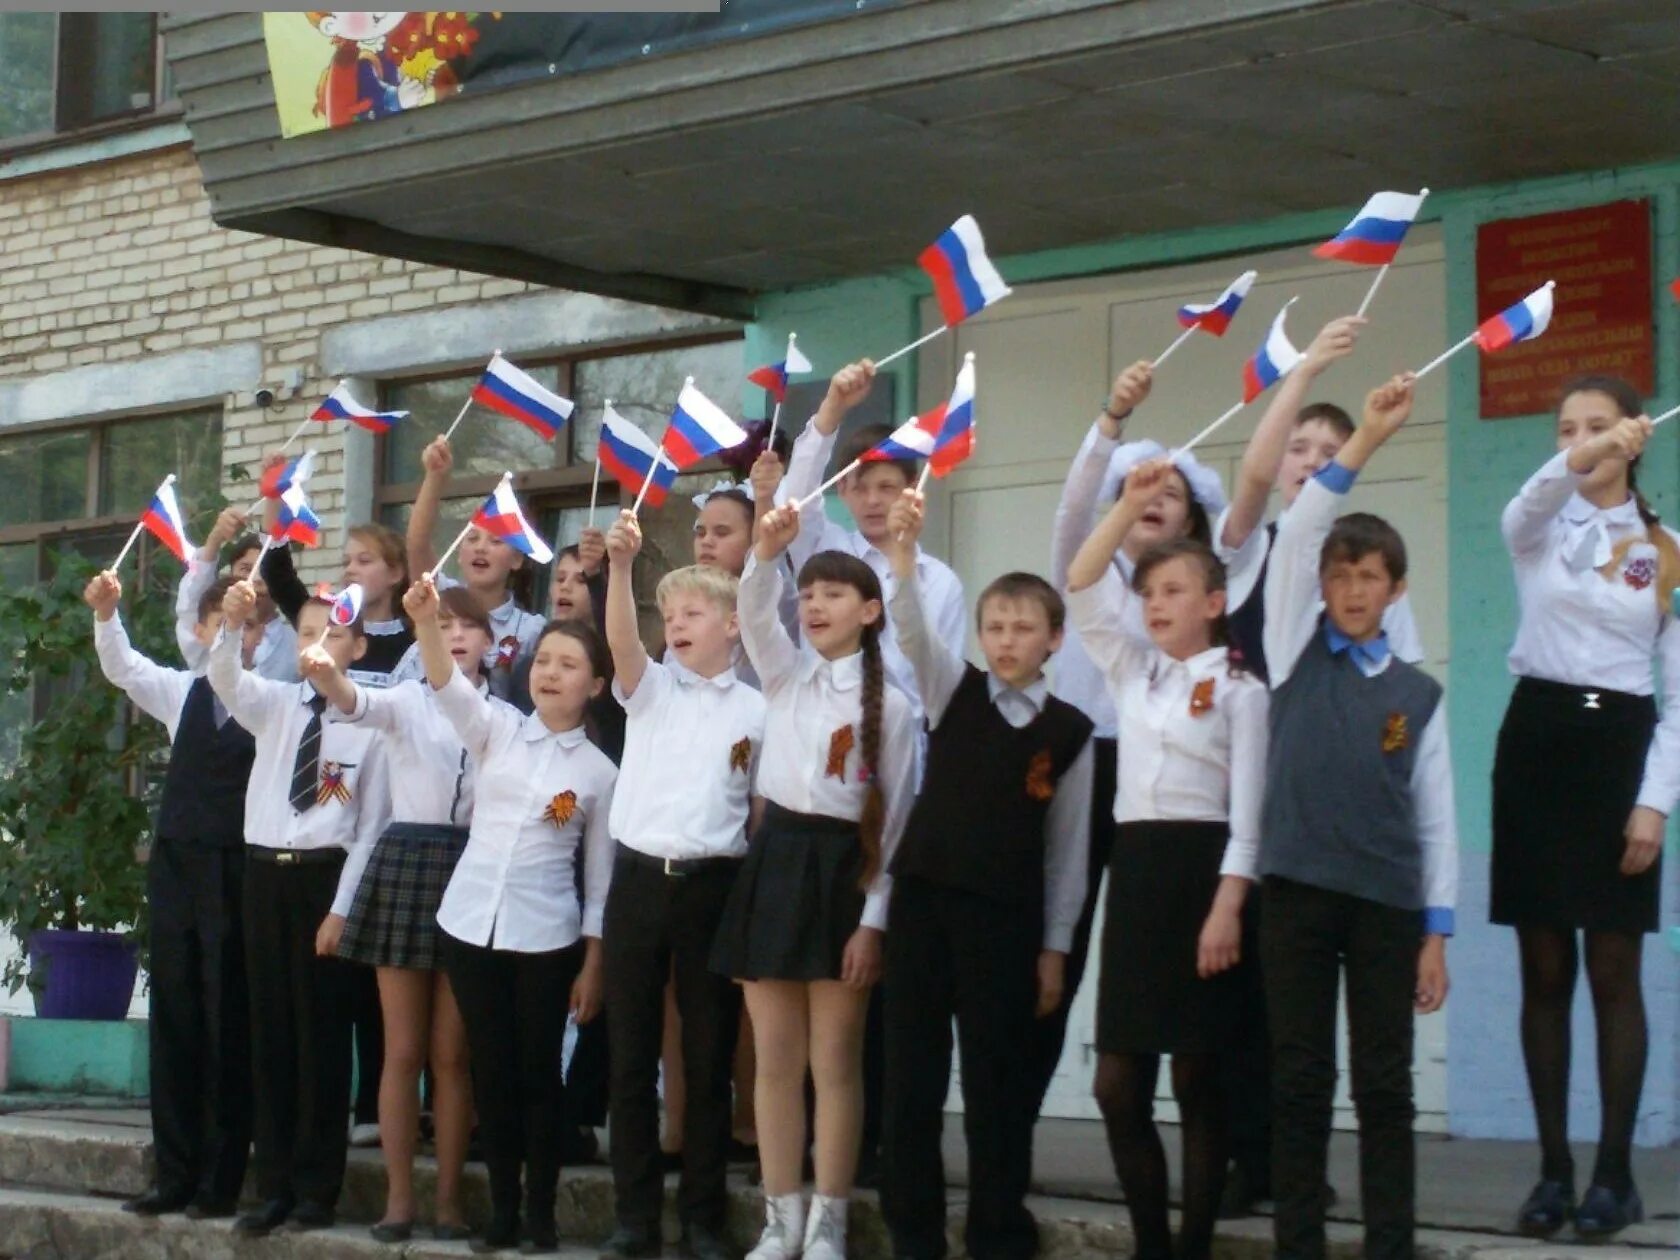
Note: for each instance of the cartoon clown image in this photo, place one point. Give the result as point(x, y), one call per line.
point(362, 82)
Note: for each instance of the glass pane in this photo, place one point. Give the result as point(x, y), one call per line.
point(487, 441)
point(453, 515)
point(124, 64)
point(141, 453)
point(45, 476)
point(644, 388)
point(26, 89)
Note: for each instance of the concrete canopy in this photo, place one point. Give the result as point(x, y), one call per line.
point(698, 179)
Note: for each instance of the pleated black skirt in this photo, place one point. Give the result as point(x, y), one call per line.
point(1162, 877)
point(795, 903)
point(393, 919)
point(1566, 775)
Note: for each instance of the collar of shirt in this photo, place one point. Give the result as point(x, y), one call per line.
point(306, 695)
point(1373, 653)
point(1034, 693)
point(844, 674)
point(1197, 666)
point(683, 674)
point(1588, 543)
point(502, 611)
point(535, 729)
point(873, 556)
point(394, 626)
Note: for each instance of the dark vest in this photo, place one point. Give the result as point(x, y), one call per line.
point(1339, 812)
point(979, 821)
point(204, 788)
point(1248, 623)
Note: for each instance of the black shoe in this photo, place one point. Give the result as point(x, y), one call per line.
point(579, 1146)
point(670, 1161)
point(307, 1216)
point(540, 1241)
point(1602, 1214)
point(1547, 1209)
point(265, 1220)
point(392, 1231)
point(202, 1209)
point(700, 1243)
point(155, 1203)
point(742, 1152)
point(1237, 1201)
point(499, 1237)
point(451, 1233)
point(628, 1243)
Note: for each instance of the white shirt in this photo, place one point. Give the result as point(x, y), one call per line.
point(1578, 627)
point(942, 592)
point(690, 745)
point(515, 632)
point(811, 699)
point(1245, 564)
point(1195, 746)
point(355, 791)
point(1293, 612)
point(276, 653)
point(432, 778)
point(1067, 823)
point(159, 691)
point(542, 796)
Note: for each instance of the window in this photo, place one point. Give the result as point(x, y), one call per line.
point(68, 72)
point(555, 476)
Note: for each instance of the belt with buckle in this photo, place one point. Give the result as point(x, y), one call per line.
point(295, 857)
point(678, 868)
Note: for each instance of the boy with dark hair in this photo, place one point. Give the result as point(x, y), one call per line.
point(989, 881)
point(197, 1028)
point(317, 802)
point(1359, 850)
point(270, 642)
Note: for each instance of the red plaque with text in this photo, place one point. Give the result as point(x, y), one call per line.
point(1601, 260)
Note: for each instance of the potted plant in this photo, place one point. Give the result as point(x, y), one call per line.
point(72, 825)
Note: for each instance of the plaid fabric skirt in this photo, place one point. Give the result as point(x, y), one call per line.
point(393, 919)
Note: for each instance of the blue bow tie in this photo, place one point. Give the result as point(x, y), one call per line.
point(1373, 652)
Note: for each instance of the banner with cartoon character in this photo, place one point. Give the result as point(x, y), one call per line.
point(334, 69)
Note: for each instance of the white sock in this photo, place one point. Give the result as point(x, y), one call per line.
point(824, 1207)
point(791, 1209)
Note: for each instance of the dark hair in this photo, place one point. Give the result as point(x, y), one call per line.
point(1202, 557)
point(584, 634)
point(1197, 527)
point(837, 566)
point(212, 599)
point(865, 437)
point(244, 546)
point(1360, 534)
point(1326, 413)
point(734, 494)
point(1024, 586)
point(463, 605)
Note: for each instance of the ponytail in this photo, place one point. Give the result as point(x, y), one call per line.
point(872, 820)
point(1668, 555)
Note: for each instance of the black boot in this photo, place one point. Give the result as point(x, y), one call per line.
point(542, 1185)
point(504, 1207)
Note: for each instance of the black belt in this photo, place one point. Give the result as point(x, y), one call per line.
point(296, 857)
point(1602, 698)
point(678, 868)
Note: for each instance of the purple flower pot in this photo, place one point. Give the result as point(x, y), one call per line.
point(82, 975)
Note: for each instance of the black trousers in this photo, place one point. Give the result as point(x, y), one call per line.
point(956, 954)
point(1246, 1064)
point(200, 1029)
point(514, 1006)
point(588, 1076)
point(367, 1023)
point(1049, 1033)
point(1309, 936)
point(300, 1031)
point(660, 926)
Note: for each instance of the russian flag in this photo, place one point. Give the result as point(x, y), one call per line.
point(283, 476)
point(1522, 322)
point(629, 454)
point(295, 522)
point(346, 605)
point(964, 280)
point(1374, 236)
point(502, 517)
point(956, 424)
point(1215, 316)
point(699, 428)
point(162, 519)
point(915, 439)
point(339, 405)
point(773, 377)
point(506, 389)
point(1275, 359)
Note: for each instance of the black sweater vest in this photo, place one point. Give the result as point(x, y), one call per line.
point(978, 824)
point(204, 788)
point(1248, 622)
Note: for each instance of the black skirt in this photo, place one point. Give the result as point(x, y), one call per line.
point(1162, 877)
point(795, 903)
point(393, 919)
point(1566, 776)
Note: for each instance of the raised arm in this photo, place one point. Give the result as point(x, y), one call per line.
point(473, 716)
point(1096, 554)
point(250, 700)
point(938, 670)
point(285, 587)
point(624, 638)
point(321, 672)
point(199, 578)
point(158, 691)
point(767, 643)
point(811, 452)
point(437, 460)
point(1527, 520)
point(1076, 509)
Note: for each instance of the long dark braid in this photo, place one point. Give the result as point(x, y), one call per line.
point(872, 820)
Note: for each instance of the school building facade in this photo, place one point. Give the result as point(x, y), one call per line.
point(696, 204)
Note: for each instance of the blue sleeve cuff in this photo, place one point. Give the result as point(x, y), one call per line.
point(1336, 478)
point(1437, 920)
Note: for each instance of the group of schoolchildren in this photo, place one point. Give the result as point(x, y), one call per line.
point(808, 803)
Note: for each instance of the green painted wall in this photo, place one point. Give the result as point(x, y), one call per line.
point(78, 1056)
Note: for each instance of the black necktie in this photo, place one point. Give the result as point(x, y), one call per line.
point(306, 770)
point(460, 778)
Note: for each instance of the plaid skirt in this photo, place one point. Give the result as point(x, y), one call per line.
point(393, 919)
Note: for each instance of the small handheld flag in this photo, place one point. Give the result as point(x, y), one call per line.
point(340, 405)
point(502, 516)
point(1275, 359)
point(698, 428)
point(630, 455)
point(1524, 321)
point(773, 377)
point(1212, 317)
point(957, 431)
point(161, 519)
point(295, 521)
point(283, 476)
point(515, 394)
point(964, 280)
point(1374, 235)
point(346, 605)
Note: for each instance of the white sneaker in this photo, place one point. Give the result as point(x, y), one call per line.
point(825, 1229)
point(364, 1135)
point(784, 1223)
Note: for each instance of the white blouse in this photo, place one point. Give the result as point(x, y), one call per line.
point(811, 701)
point(1576, 626)
point(432, 778)
point(1076, 678)
point(1195, 746)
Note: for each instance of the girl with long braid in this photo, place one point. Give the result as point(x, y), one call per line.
point(804, 925)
